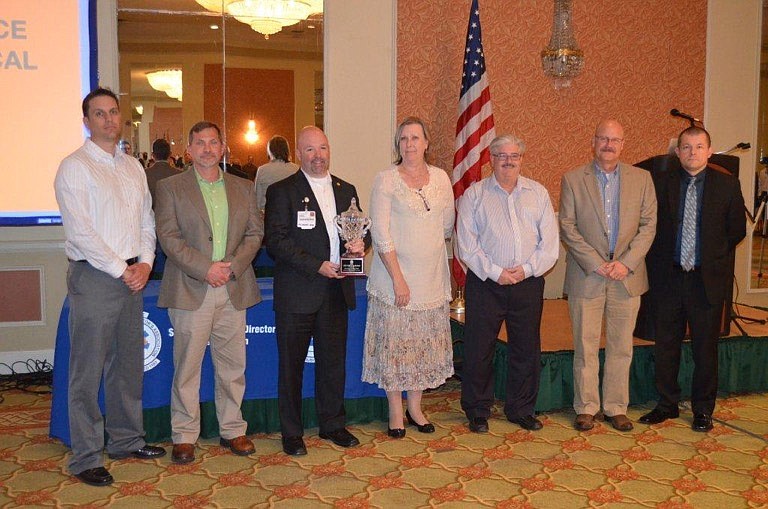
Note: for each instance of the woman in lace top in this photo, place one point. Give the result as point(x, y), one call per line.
point(407, 337)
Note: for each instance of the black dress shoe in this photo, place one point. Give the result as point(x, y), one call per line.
point(341, 437)
point(423, 428)
point(148, 452)
point(98, 476)
point(702, 423)
point(294, 446)
point(658, 415)
point(396, 432)
point(478, 425)
point(528, 422)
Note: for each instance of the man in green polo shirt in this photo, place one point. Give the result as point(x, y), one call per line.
point(209, 226)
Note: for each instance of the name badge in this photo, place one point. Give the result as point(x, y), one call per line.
point(306, 219)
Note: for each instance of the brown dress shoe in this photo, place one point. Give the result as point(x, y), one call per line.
point(620, 422)
point(183, 453)
point(584, 422)
point(242, 445)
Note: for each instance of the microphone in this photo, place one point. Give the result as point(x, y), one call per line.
point(677, 113)
point(739, 146)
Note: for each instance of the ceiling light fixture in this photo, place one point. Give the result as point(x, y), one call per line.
point(562, 60)
point(168, 81)
point(265, 16)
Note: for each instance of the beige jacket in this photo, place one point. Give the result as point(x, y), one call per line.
point(584, 232)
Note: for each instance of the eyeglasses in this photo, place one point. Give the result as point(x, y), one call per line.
point(508, 157)
point(606, 140)
point(423, 198)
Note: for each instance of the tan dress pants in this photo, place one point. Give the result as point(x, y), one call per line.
point(620, 312)
point(220, 323)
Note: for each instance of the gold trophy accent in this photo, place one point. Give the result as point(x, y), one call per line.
point(352, 225)
point(458, 304)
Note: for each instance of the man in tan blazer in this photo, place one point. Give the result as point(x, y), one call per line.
point(607, 223)
point(209, 227)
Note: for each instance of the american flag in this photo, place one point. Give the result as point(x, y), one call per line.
point(474, 127)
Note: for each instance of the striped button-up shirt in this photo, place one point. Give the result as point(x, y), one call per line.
point(610, 185)
point(106, 209)
point(497, 230)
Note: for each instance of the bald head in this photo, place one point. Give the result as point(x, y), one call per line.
point(313, 151)
point(607, 144)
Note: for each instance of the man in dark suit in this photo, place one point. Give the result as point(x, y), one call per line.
point(700, 222)
point(311, 299)
point(209, 227)
point(161, 151)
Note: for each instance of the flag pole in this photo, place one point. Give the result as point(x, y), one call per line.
point(474, 132)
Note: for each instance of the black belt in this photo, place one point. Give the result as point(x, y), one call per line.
point(129, 261)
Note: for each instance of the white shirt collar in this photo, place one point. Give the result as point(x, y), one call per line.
point(317, 180)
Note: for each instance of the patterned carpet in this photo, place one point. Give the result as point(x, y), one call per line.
point(664, 466)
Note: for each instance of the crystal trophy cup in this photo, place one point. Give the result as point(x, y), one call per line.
point(352, 225)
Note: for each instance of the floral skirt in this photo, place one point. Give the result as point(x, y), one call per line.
point(407, 349)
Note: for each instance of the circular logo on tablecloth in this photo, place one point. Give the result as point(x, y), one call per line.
point(153, 341)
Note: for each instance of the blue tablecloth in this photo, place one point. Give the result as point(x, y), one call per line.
point(261, 357)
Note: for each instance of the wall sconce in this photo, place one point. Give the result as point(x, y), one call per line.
point(140, 109)
point(562, 59)
point(251, 136)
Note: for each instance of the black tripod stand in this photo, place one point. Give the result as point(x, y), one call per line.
point(762, 212)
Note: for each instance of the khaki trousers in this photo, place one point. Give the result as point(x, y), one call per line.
point(620, 312)
point(220, 323)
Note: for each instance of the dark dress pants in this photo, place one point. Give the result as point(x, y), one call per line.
point(683, 302)
point(487, 305)
point(328, 327)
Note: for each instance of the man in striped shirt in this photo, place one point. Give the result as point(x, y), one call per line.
point(507, 237)
point(106, 210)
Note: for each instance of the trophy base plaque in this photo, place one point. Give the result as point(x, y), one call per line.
point(352, 266)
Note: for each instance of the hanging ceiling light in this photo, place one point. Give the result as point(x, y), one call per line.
point(251, 136)
point(265, 16)
point(562, 60)
point(168, 81)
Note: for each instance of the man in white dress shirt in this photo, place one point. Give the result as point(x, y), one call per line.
point(507, 237)
point(106, 210)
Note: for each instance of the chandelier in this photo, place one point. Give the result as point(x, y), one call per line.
point(168, 81)
point(562, 59)
point(265, 16)
point(251, 136)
